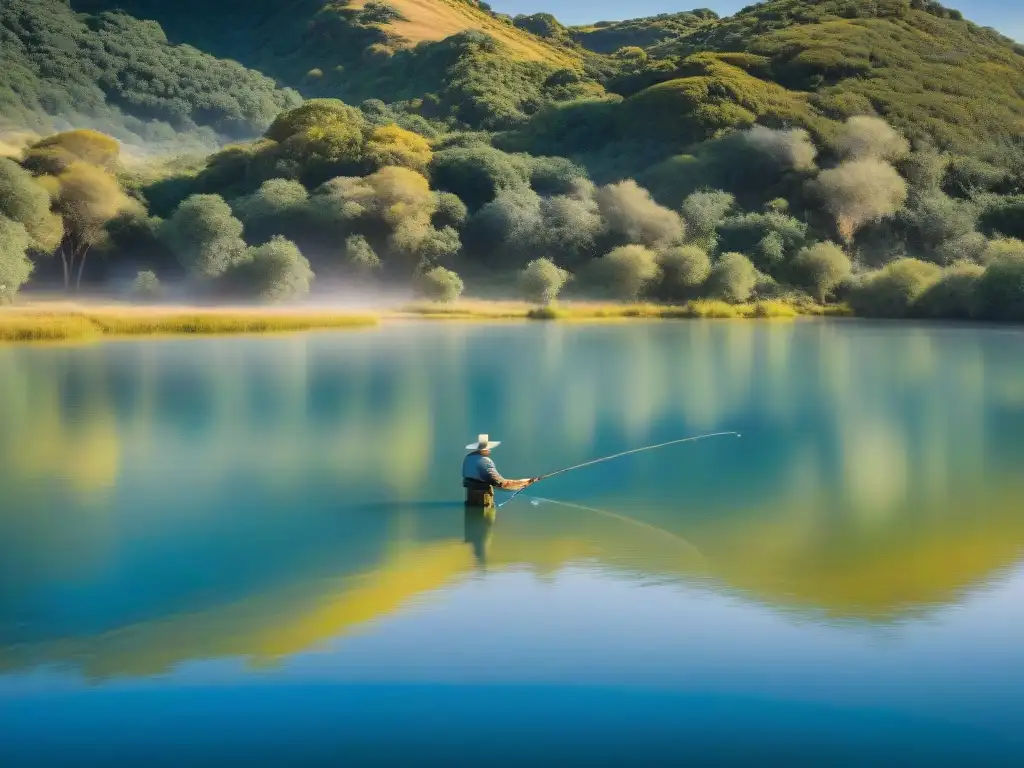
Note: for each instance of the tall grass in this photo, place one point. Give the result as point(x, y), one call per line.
point(34, 325)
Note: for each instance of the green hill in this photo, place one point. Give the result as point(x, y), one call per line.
point(865, 151)
point(120, 75)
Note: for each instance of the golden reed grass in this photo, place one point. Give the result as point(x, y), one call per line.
point(28, 324)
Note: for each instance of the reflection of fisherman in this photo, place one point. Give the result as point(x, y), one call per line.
point(480, 477)
point(479, 531)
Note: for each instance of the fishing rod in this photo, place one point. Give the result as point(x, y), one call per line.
point(619, 456)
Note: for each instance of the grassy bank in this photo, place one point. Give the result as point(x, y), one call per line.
point(54, 324)
point(582, 311)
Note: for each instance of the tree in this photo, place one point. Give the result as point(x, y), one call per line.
point(684, 269)
point(15, 267)
point(821, 268)
point(704, 212)
point(732, 278)
point(322, 138)
point(440, 285)
point(891, 291)
point(86, 197)
point(25, 201)
point(276, 271)
point(859, 191)
point(360, 256)
point(278, 206)
point(629, 211)
point(864, 137)
point(205, 237)
point(147, 286)
point(627, 271)
point(391, 145)
point(56, 153)
point(541, 281)
point(476, 174)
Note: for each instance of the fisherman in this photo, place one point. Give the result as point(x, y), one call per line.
point(480, 477)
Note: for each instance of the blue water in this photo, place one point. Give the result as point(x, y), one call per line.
point(254, 551)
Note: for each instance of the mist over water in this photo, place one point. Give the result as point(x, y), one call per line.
point(257, 549)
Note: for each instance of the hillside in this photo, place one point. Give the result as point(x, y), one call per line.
point(866, 151)
point(120, 75)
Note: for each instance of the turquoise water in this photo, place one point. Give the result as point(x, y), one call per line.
point(253, 550)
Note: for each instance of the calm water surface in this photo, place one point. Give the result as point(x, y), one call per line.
point(254, 550)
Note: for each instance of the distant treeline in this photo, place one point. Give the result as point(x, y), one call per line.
point(344, 195)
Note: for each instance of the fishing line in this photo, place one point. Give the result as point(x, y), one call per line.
point(619, 456)
point(627, 519)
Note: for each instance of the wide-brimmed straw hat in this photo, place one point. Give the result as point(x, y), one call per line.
point(483, 443)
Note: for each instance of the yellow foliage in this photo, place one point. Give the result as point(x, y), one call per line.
point(391, 145)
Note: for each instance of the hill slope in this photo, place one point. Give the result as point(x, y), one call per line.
point(119, 74)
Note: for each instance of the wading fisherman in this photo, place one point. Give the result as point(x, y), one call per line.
point(480, 477)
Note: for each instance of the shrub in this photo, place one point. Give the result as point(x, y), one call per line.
point(732, 278)
point(859, 191)
point(541, 281)
point(439, 284)
point(626, 271)
point(684, 269)
point(863, 137)
point(629, 211)
point(820, 268)
point(1000, 291)
point(953, 295)
point(1003, 249)
point(703, 213)
point(146, 286)
point(891, 291)
point(275, 272)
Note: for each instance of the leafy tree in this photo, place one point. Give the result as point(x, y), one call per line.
point(147, 286)
point(821, 268)
point(279, 205)
point(629, 212)
point(15, 267)
point(541, 281)
point(360, 256)
point(274, 272)
point(732, 278)
point(934, 219)
point(26, 202)
point(205, 237)
point(859, 191)
point(440, 285)
point(892, 291)
point(627, 271)
point(391, 145)
point(704, 212)
point(322, 138)
point(86, 198)
point(684, 269)
point(56, 153)
point(451, 211)
point(769, 238)
point(477, 174)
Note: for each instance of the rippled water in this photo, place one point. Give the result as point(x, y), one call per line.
point(255, 550)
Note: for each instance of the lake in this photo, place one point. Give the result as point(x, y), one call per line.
point(254, 550)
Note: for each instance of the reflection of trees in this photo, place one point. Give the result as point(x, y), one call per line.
point(878, 473)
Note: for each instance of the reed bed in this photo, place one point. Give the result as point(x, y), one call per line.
point(18, 324)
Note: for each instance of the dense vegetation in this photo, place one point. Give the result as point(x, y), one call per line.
point(827, 152)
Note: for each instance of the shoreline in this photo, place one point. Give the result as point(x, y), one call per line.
point(70, 321)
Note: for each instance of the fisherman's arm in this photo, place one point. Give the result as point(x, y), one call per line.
point(498, 481)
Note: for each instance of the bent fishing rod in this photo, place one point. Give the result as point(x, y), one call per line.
point(619, 456)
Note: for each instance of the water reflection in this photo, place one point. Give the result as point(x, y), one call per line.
point(257, 498)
